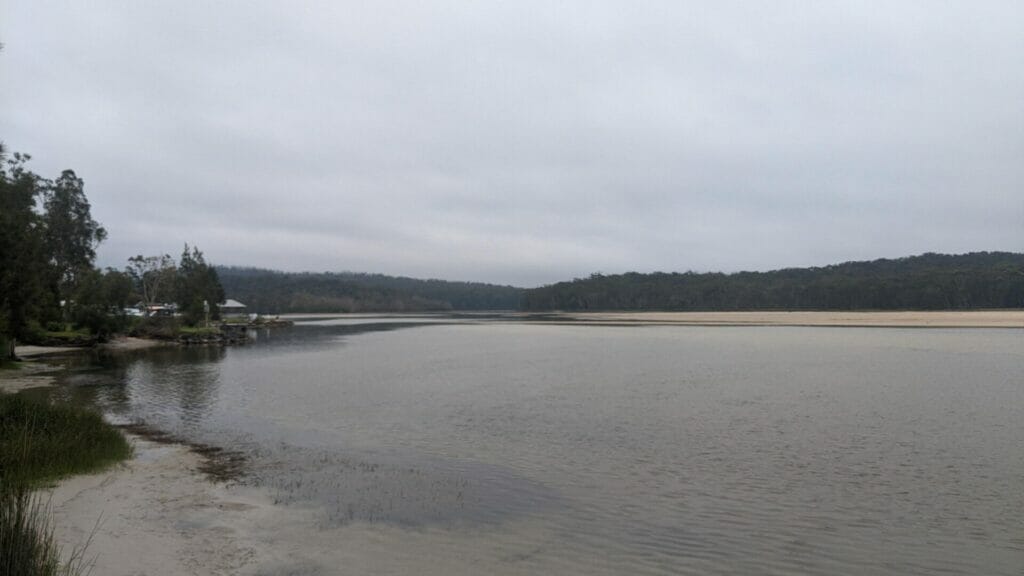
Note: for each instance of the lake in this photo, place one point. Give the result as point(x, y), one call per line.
point(488, 446)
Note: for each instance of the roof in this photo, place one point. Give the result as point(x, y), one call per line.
point(229, 303)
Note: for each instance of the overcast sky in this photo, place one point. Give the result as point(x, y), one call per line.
point(527, 142)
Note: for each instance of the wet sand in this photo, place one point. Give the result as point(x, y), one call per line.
point(35, 372)
point(157, 515)
point(910, 319)
point(27, 375)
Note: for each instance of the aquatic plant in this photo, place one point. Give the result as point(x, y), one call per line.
point(42, 442)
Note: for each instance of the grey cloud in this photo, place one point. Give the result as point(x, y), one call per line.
point(527, 142)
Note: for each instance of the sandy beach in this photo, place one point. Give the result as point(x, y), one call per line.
point(909, 319)
point(158, 515)
point(27, 375)
point(36, 372)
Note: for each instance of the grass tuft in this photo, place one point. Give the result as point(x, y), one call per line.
point(40, 443)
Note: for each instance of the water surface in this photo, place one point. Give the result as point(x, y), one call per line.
point(487, 446)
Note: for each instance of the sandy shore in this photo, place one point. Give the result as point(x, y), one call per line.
point(158, 515)
point(27, 375)
point(36, 372)
point(914, 319)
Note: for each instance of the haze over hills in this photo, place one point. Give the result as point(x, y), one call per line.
point(926, 282)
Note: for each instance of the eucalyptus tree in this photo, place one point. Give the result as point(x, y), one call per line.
point(72, 235)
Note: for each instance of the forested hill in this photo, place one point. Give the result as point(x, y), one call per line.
point(272, 292)
point(925, 282)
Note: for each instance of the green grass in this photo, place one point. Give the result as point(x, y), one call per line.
point(198, 331)
point(40, 443)
point(27, 545)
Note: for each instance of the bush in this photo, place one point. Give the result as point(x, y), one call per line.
point(164, 328)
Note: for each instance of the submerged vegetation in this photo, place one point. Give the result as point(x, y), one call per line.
point(40, 443)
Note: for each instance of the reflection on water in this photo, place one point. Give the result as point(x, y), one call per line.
point(659, 450)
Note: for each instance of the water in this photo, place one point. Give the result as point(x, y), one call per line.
point(461, 446)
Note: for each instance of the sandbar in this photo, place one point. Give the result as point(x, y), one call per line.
point(909, 319)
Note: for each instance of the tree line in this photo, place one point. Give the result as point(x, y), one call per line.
point(48, 280)
point(275, 292)
point(926, 282)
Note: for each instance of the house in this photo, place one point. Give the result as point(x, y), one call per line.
point(231, 307)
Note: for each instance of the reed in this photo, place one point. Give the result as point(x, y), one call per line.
point(40, 443)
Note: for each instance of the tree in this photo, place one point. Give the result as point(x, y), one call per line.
point(154, 277)
point(198, 288)
point(23, 268)
point(71, 234)
point(100, 300)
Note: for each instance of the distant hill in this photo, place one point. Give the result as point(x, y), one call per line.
point(926, 282)
point(273, 292)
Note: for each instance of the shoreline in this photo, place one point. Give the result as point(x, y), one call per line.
point(162, 514)
point(904, 319)
point(33, 371)
point(175, 507)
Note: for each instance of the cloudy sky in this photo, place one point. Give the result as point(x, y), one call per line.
point(527, 142)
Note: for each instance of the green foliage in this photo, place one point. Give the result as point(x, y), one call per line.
point(272, 292)
point(198, 331)
point(70, 232)
point(99, 301)
point(40, 442)
point(49, 240)
point(153, 277)
point(24, 270)
point(925, 282)
point(161, 328)
point(197, 289)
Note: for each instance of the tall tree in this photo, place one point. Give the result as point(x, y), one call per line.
point(198, 287)
point(154, 277)
point(23, 268)
point(100, 301)
point(71, 234)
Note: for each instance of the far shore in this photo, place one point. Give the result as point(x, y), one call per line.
point(908, 319)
